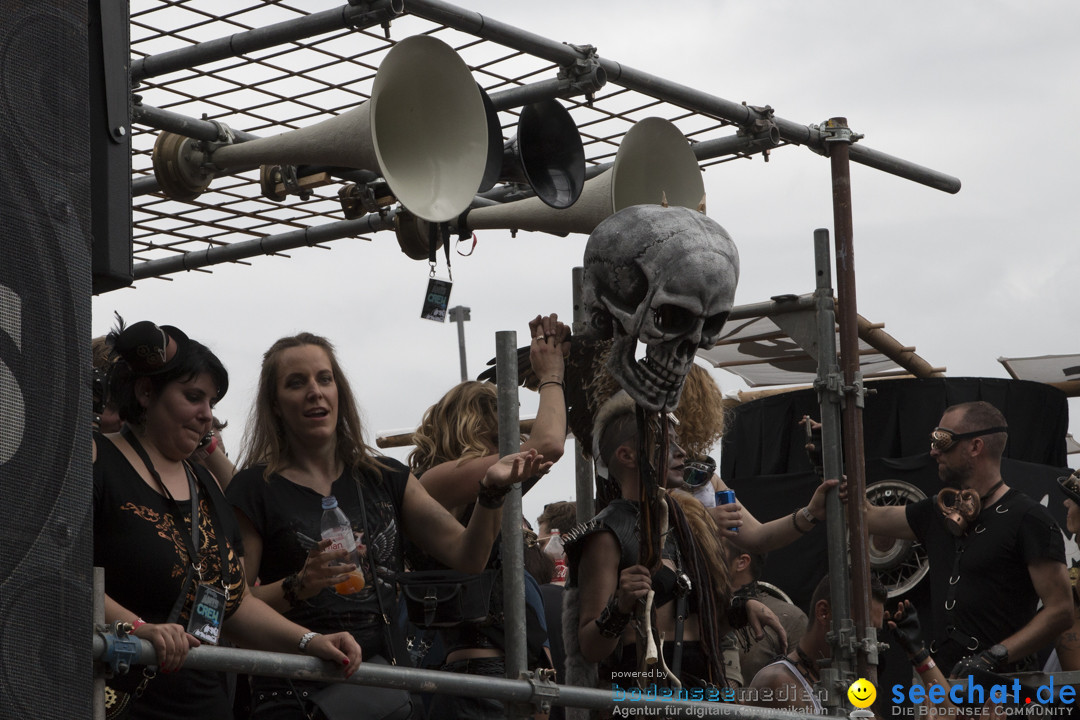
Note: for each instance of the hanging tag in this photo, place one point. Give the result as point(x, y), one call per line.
point(207, 614)
point(437, 300)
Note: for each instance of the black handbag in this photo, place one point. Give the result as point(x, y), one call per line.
point(446, 598)
point(345, 701)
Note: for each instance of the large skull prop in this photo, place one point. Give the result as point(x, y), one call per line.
point(663, 276)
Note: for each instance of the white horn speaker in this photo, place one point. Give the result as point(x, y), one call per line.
point(654, 161)
point(424, 129)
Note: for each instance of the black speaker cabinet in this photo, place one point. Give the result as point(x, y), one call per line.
point(45, 480)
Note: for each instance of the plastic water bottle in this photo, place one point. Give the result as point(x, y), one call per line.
point(338, 530)
point(555, 549)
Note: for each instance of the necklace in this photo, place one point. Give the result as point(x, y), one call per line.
point(991, 492)
point(806, 666)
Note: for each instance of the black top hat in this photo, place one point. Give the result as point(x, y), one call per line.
point(1070, 485)
point(149, 349)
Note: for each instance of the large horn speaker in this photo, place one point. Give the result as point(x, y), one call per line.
point(546, 153)
point(654, 161)
point(424, 129)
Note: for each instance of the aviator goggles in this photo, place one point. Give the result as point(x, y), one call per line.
point(697, 473)
point(943, 439)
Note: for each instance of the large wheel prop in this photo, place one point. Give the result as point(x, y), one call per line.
point(900, 564)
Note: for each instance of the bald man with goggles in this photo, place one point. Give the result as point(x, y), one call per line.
point(994, 552)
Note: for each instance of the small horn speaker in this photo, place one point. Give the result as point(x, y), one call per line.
point(546, 154)
point(654, 161)
point(424, 129)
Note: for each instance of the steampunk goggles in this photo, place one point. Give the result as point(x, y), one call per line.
point(943, 439)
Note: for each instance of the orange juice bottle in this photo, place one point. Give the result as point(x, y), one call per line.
point(352, 584)
point(337, 528)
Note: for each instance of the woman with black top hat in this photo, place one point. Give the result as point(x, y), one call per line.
point(166, 537)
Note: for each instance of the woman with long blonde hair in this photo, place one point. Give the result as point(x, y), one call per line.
point(306, 444)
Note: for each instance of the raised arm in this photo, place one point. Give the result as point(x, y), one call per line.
point(762, 537)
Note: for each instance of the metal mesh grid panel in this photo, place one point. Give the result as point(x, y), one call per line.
point(299, 83)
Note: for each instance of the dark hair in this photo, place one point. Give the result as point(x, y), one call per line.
point(193, 359)
point(757, 560)
point(561, 515)
point(878, 592)
point(539, 564)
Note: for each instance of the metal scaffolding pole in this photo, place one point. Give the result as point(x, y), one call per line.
point(854, 458)
point(302, 667)
point(513, 561)
point(360, 16)
point(841, 670)
point(743, 115)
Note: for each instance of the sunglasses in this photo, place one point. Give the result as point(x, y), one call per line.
point(943, 439)
point(697, 473)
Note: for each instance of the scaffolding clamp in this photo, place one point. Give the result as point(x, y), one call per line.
point(584, 75)
point(121, 648)
point(544, 689)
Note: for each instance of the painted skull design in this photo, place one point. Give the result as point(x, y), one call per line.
point(665, 277)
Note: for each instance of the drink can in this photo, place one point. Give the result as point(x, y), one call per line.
point(726, 497)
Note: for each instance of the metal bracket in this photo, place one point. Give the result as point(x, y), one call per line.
point(585, 75)
point(359, 200)
point(397, 8)
point(121, 648)
point(834, 130)
point(544, 689)
point(832, 387)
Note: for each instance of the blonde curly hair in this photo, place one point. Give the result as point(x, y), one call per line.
point(463, 424)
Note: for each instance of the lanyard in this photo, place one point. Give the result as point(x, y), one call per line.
point(192, 543)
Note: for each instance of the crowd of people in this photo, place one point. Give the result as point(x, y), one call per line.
point(658, 587)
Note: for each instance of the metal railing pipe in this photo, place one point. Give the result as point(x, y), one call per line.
point(267, 245)
point(481, 26)
point(368, 15)
point(302, 667)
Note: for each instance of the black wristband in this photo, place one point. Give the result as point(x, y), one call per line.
point(736, 615)
point(491, 498)
point(289, 588)
point(920, 657)
point(612, 620)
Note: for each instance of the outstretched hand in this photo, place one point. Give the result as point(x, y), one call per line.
point(516, 467)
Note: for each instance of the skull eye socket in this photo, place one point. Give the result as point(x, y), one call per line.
point(714, 324)
point(673, 319)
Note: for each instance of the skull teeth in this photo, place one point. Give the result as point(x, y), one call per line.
point(659, 373)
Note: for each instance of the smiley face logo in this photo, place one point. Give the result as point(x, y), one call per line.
point(862, 693)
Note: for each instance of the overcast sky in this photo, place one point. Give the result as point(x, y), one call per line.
point(983, 90)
